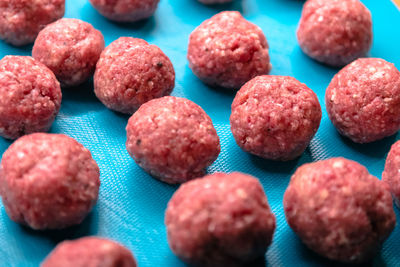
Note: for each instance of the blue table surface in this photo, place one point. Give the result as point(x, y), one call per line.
point(131, 204)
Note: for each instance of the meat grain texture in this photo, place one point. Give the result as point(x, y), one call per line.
point(335, 32)
point(131, 72)
point(275, 117)
point(220, 220)
point(227, 51)
point(339, 210)
point(125, 10)
point(173, 139)
point(363, 100)
point(30, 96)
point(90, 252)
point(22, 20)
point(391, 173)
point(70, 48)
point(48, 181)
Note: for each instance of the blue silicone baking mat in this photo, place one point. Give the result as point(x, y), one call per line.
point(131, 204)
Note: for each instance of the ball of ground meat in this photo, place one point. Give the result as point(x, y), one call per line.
point(339, 210)
point(227, 51)
point(275, 117)
point(211, 2)
point(48, 181)
point(173, 139)
point(363, 100)
point(70, 48)
point(391, 174)
point(220, 220)
point(335, 32)
point(30, 97)
point(131, 72)
point(22, 20)
point(125, 10)
point(90, 252)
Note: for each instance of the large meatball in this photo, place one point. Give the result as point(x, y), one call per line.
point(335, 32)
point(275, 117)
point(131, 72)
point(30, 97)
point(220, 220)
point(227, 50)
point(391, 173)
point(22, 20)
point(70, 48)
point(48, 181)
point(363, 100)
point(173, 139)
point(339, 210)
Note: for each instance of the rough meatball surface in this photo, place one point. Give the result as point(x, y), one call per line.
point(90, 252)
point(391, 174)
point(339, 210)
point(275, 117)
point(131, 72)
point(30, 96)
point(335, 32)
point(220, 220)
point(227, 50)
point(70, 48)
point(22, 20)
point(363, 100)
point(48, 181)
point(173, 139)
point(125, 10)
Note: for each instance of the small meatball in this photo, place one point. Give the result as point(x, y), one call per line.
point(48, 181)
point(131, 72)
point(90, 252)
point(173, 139)
point(227, 51)
point(275, 117)
point(70, 48)
point(391, 174)
point(30, 97)
point(339, 210)
point(125, 10)
point(22, 20)
point(212, 2)
point(220, 220)
point(335, 32)
point(363, 100)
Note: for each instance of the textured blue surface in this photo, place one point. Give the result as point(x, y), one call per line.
point(132, 204)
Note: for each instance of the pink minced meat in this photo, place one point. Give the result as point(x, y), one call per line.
point(70, 48)
point(22, 20)
point(30, 96)
point(48, 181)
point(335, 32)
point(131, 72)
point(173, 139)
point(275, 117)
point(227, 50)
point(391, 174)
point(125, 10)
point(363, 100)
point(220, 220)
point(90, 252)
point(339, 210)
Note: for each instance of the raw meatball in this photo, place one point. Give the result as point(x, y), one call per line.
point(275, 117)
point(220, 220)
point(30, 97)
point(391, 174)
point(228, 51)
point(173, 139)
point(125, 10)
point(335, 32)
point(363, 100)
point(339, 210)
point(70, 48)
point(22, 20)
point(211, 2)
point(131, 72)
point(48, 181)
point(90, 252)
